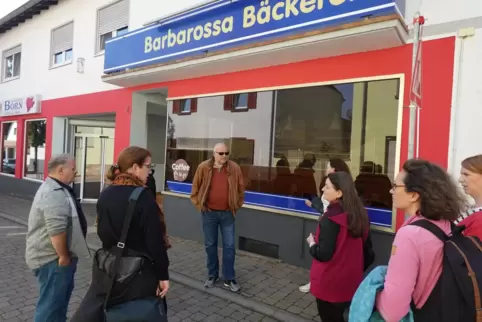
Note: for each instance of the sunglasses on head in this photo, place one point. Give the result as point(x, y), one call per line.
point(223, 153)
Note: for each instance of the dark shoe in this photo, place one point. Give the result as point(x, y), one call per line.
point(210, 282)
point(232, 286)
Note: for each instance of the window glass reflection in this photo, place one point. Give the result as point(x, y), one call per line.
point(241, 101)
point(35, 149)
point(284, 143)
point(186, 106)
point(9, 146)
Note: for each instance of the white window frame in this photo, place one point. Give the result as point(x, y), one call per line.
point(184, 103)
point(64, 59)
point(13, 51)
point(54, 53)
point(24, 152)
point(237, 107)
point(3, 148)
point(115, 31)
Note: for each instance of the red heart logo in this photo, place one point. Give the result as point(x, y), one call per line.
point(30, 103)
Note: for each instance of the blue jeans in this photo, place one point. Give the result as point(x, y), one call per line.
point(212, 222)
point(56, 286)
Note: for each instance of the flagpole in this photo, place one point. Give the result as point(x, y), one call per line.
point(412, 127)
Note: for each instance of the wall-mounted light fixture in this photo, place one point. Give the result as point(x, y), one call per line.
point(80, 65)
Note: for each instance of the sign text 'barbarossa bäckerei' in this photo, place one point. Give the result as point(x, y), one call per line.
point(227, 24)
point(252, 16)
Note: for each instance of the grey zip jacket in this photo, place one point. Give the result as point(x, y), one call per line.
point(53, 212)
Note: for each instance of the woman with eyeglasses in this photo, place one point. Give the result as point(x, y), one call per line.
point(337, 248)
point(471, 181)
point(145, 238)
point(426, 192)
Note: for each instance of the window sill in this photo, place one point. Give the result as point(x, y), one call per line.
point(239, 109)
point(32, 179)
point(7, 174)
point(374, 227)
point(248, 206)
point(6, 80)
point(60, 65)
point(100, 53)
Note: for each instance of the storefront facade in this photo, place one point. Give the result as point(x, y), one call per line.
point(285, 103)
point(287, 85)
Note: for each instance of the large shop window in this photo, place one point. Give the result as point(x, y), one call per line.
point(9, 147)
point(34, 149)
point(284, 140)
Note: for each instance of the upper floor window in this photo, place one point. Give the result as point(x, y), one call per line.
point(61, 45)
point(112, 21)
point(185, 106)
point(240, 102)
point(11, 61)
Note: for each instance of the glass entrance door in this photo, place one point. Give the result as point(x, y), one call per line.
point(94, 156)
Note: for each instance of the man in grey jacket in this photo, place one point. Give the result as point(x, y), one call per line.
point(55, 239)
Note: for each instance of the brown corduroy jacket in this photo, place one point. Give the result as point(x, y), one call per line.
point(202, 180)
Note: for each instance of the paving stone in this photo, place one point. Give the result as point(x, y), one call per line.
point(19, 290)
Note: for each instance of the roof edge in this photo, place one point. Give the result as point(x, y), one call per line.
point(23, 13)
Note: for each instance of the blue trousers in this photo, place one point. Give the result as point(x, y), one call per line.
point(213, 221)
point(56, 286)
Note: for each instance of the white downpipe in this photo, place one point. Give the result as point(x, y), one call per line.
point(412, 125)
point(456, 93)
point(417, 146)
point(459, 50)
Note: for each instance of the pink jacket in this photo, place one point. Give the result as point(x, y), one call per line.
point(414, 269)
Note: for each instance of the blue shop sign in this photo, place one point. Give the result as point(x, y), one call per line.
point(229, 24)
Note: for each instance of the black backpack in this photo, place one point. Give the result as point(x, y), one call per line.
point(457, 294)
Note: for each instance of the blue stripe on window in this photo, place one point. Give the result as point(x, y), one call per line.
point(379, 217)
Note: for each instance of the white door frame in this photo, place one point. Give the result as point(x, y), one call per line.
point(84, 157)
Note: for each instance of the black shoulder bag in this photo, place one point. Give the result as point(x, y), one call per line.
point(122, 269)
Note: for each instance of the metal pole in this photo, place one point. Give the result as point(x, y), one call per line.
point(413, 107)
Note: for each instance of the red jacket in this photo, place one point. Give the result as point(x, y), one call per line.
point(337, 280)
point(473, 225)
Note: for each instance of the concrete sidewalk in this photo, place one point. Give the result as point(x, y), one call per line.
point(19, 289)
point(269, 287)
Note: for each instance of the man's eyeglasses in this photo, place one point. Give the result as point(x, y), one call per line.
point(223, 153)
point(395, 185)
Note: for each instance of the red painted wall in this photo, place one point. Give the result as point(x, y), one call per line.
point(437, 78)
point(117, 101)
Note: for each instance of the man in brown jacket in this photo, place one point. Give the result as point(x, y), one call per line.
point(218, 193)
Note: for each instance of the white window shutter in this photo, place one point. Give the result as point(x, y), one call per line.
point(62, 38)
point(11, 52)
point(113, 17)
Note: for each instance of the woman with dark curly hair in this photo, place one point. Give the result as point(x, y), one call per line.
point(426, 192)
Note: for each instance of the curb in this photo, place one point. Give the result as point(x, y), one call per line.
point(14, 219)
point(264, 309)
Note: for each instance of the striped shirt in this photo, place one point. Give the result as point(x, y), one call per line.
point(466, 214)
